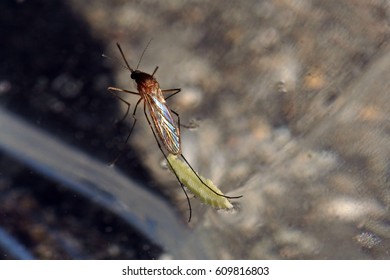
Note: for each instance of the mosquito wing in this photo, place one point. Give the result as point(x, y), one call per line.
point(166, 127)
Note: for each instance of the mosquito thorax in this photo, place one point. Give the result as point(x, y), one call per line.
point(141, 77)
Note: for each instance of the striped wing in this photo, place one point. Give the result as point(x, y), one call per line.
point(164, 123)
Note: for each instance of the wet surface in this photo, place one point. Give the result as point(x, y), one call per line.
point(291, 102)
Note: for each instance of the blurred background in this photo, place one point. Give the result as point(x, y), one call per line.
point(291, 104)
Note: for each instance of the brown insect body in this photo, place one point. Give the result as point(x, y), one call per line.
point(150, 91)
point(167, 129)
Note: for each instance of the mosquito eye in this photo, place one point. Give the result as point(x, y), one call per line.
point(132, 75)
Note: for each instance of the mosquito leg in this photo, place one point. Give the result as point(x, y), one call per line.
point(188, 126)
point(122, 90)
point(200, 179)
point(124, 101)
point(178, 122)
point(128, 135)
point(114, 91)
point(135, 120)
point(173, 92)
point(174, 172)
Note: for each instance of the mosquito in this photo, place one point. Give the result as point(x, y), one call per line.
point(164, 127)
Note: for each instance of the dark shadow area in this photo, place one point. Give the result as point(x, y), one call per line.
point(53, 222)
point(52, 74)
point(55, 73)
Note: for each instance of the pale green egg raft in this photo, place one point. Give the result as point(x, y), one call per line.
point(192, 182)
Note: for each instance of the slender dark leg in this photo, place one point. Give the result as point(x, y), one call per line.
point(174, 172)
point(135, 120)
point(200, 179)
point(122, 90)
point(173, 92)
point(230, 197)
point(178, 120)
point(113, 91)
point(189, 126)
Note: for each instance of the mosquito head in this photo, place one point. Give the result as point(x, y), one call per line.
point(136, 75)
point(140, 77)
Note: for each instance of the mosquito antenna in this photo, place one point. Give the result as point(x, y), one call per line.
point(124, 58)
point(117, 60)
point(142, 55)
